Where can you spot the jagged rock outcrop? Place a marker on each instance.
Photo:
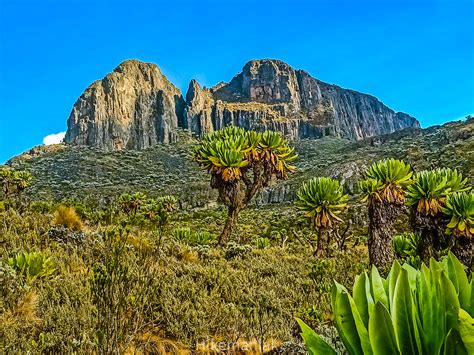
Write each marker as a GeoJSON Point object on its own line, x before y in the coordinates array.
{"type": "Point", "coordinates": [133, 107]}
{"type": "Point", "coordinates": [269, 94]}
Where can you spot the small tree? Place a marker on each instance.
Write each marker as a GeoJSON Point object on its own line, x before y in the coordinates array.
{"type": "Point", "coordinates": [323, 200]}
{"type": "Point", "coordinates": [242, 163]}
{"type": "Point", "coordinates": [157, 212]}
{"type": "Point", "coordinates": [427, 196]}
{"type": "Point", "coordinates": [14, 181]}
{"type": "Point", "coordinates": [21, 179]}
{"type": "Point", "coordinates": [6, 179]}
{"type": "Point", "coordinates": [384, 190]}
{"type": "Point", "coordinates": [130, 204]}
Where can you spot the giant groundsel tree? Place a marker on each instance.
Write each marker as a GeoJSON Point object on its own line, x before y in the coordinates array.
{"type": "Point", "coordinates": [384, 188]}
{"type": "Point", "coordinates": [14, 181]}
{"type": "Point", "coordinates": [242, 163]}
{"type": "Point", "coordinates": [322, 199]}
{"type": "Point", "coordinates": [427, 196]}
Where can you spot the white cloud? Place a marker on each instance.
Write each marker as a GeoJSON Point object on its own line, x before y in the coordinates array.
{"type": "Point", "coordinates": [54, 138]}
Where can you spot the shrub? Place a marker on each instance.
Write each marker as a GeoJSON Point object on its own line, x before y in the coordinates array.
{"type": "Point", "coordinates": [410, 312]}
{"type": "Point", "coordinates": [13, 181]}
{"type": "Point", "coordinates": [62, 234]}
{"type": "Point", "coordinates": [11, 286]}
{"type": "Point", "coordinates": [234, 250]}
{"type": "Point", "coordinates": [120, 293]}
{"type": "Point", "coordinates": [263, 243]}
{"type": "Point", "coordinates": [67, 217]}
{"type": "Point", "coordinates": [202, 237]}
{"type": "Point", "coordinates": [33, 265]}
{"type": "Point", "coordinates": [43, 207]}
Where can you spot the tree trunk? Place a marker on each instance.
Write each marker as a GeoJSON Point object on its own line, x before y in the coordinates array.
{"type": "Point", "coordinates": [381, 221]}
{"type": "Point", "coordinates": [463, 249]}
{"type": "Point", "coordinates": [431, 232]}
{"type": "Point", "coordinates": [229, 226]}
{"type": "Point", "coordinates": [323, 243]}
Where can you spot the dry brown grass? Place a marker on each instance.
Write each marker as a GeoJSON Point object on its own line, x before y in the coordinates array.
{"type": "Point", "coordinates": [153, 342]}
{"type": "Point", "coordinates": [67, 217]}
{"type": "Point", "coordinates": [25, 311]}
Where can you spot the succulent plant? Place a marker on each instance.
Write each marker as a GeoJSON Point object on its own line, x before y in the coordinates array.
{"type": "Point", "coordinates": [383, 187]}
{"type": "Point", "coordinates": [427, 311]}
{"type": "Point", "coordinates": [33, 265]}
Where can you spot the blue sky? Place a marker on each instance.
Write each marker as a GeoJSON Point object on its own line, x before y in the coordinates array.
{"type": "Point", "coordinates": [415, 56]}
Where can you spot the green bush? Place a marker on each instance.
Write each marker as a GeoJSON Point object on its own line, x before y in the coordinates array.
{"type": "Point", "coordinates": [193, 238]}
{"type": "Point", "coordinates": [181, 234]}
{"type": "Point", "coordinates": [427, 311]}
{"type": "Point", "coordinates": [44, 207]}
{"type": "Point", "coordinates": [263, 243]}
{"type": "Point", "coordinates": [406, 248]}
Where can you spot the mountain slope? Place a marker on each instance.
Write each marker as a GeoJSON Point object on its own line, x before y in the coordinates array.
{"type": "Point", "coordinates": [91, 174]}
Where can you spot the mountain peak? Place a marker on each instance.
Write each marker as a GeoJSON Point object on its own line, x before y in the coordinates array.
{"type": "Point", "coordinates": [135, 64]}
{"type": "Point", "coordinates": [121, 111]}
{"type": "Point", "coordinates": [136, 106]}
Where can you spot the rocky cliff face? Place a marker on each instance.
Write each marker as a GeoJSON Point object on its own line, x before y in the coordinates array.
{"type": "Point", "coordinates": [136, 106]}
{"type": "Point", "coordinates": [133, 107]}
{"type": "Point", "coordinates": [269, 94]}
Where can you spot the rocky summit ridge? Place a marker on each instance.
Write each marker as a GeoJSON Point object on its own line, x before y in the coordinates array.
{"type": "Point", "coordinates": [136, 106]}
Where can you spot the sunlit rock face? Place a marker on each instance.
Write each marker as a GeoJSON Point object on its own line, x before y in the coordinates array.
{"type": "Point", "coordinates": [136, 106]}
{"type": "Point", "coordinates": [269, 94]}
{"type": "Point", "coordinates": [133, 107]}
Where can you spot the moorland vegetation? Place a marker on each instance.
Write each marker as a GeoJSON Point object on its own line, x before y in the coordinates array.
{"type": "Point", "coordinates": [141, 274]}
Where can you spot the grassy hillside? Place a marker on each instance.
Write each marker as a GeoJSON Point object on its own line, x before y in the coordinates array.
{"type": "Point", "coordinates": [69, 172]}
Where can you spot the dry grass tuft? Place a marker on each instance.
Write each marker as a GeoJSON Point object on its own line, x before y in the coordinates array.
{"type": "Point", "coordinates": [153, 342]}
{"type": "Point", "coordinates": [140, 243]}
{"type": "Point", "coordinates": [67, 217]}
{"type": "Point", "coordinates": [25, 311]}
{"type": "Point", "coordinates": [188, 255]}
